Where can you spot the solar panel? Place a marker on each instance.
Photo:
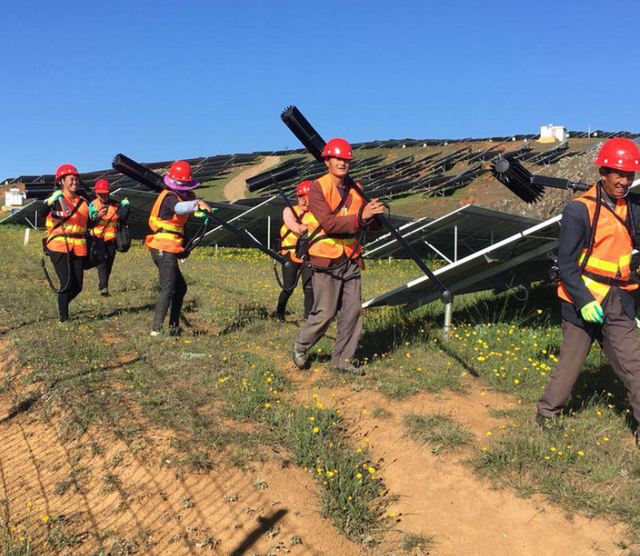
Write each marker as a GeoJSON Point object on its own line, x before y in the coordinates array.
{"type": "Point", "coordinates": [520, 259]}
{"type": "Point", "coordinates": [454, 235]}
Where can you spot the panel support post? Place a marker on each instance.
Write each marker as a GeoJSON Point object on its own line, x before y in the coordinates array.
{"type": "Point", "coordinates": [269, 232]}
{"type": "Point", "coordinates": [448, 311]}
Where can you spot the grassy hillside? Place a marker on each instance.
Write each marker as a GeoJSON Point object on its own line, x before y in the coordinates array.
{"type": "Point", "coordinates": [226, 391]}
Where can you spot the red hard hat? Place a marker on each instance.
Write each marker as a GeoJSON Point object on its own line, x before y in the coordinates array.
{"type": "Point", "coordinates": [620, 154]}
{"type": "Point", "coordinates": [65, 170]}
{"type": "Point", "coordinates": [303, 188]}
{"type": "Point", "coordinates": [180, 171]}
{"type": "Point", "coordinates": [339, 148]}
{"type": "Point", "coordinates": [102, 186]}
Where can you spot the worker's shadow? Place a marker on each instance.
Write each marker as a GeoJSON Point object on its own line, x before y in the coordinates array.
{"type": "Point", "coordinates": [599, 383]}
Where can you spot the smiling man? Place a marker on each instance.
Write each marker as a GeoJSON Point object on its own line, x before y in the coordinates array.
{"type": "Point", "coordinates": [336, 213]}
{"type": "Point", "coordinates": [597, 236]}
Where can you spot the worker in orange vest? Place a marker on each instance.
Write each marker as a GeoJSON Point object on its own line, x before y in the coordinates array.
{"type": "Point", "coordinates": [168, 217]}
{"type": "Point", "coordinates": [293, 226]}
{"type": "Point", "coordinates": [597, 237]}
{"type": "Point", "coordinates": [336, 213]}
{"type": "Point", "coordinates": [106, 213]}
{"type": "Point", "coordinates": [67, 217]}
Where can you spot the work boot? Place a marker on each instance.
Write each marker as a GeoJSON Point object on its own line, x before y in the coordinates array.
{"type": "Point", "coordinates": [104, 293]}
{"type": "Point", "coordinates": [299, 358]}
{"type": "Point", "coordinates": [350, 369]}
{"type": "Point", "coordinates": [155, 333]}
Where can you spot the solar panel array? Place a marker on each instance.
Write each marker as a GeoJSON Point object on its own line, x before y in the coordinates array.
{"type": "Point", "coordinates": [204, 169]}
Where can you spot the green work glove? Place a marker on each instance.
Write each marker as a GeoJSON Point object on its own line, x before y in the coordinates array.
{"type": "Point", "coordinates": [93, 213]}
{"type": "Point", "coordinates": [592, 312]}
{"type": "Point", "coordinates": [54, 197]}
{"type": "Point", "coordinates": [125, 202]}
{"type": "Point", "coordinates": [199, 214]}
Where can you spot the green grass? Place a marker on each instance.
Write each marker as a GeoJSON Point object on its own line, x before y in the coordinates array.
{"type": "Point", "coordinates": [416, 544]}
{"type": "Point", "coordinates": [223, 386]}
{"type": "Point", "coordinates": [441, 431]}
{"type": "Point", "coordinates": [586, 463]}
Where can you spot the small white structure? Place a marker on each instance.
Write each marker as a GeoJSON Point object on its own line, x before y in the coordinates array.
{"type": "Point", "coordinates": [552, 133]}
{"type": "Point", "coordinates": [14, 198]}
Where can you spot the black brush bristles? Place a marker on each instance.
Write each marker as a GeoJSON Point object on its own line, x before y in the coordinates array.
{"type": "Point", "coordinates": [517, 179]}
{"type": "Point", "coordinates": [137, 172]}
{"type": "Point", "coordinates": [304, 131]}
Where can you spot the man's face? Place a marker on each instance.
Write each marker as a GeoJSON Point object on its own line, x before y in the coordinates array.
{"type": "Point", "coordinates": [616, 182]}
{"type": "Point", "coordinates": [338, 167]}
{"type": "Point", "coordinates": [303, 203]}
{"type": "Point", "coordinates": [104, 197]}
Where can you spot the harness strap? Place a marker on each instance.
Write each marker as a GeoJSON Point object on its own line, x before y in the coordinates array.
{"type": "Point", "coordinates": [605, 279]}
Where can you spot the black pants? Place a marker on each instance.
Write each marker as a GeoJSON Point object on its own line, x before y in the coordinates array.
{"type": "Point", "coordinates": [172, 288]}
{"type": "Point", "coordinates": [104, 269]}
{"type": "Point", "coordinates": [63, 262]}
{"type": "Point", "coordinates": [289, 279]}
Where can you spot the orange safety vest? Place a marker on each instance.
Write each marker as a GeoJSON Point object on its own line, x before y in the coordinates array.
{"type": "Point", "coordinates": [331, 246]}
{"type": "Point", "coordinates": [289, 239]}
{"type": "Point", "coordinates": [611, 254]}
{"type": "Point", "coordinates": [107, 227]}
{"type": "Point", "coordinates": [71, 234]}
{"type": "Point", "coordinates": [166, 235]}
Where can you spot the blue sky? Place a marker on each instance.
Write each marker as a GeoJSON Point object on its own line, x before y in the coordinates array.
{"type": "Point", "coordinates": [82, 81]}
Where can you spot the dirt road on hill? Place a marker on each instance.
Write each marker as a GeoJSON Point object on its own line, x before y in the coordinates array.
{"type": "Point", "coordinates": [235, 188]}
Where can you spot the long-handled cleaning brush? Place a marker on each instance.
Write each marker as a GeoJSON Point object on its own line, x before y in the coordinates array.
{"type": "Point", "coordinates": [272, 178]}
{"type": "Point", "coordinates": [529, 187]}
{"type": "Point", "coordinates": [314, 143]}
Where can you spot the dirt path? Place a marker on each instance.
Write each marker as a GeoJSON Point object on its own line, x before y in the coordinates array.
{"type": "Point", "coordinates": [235, 188]}
{"type": "Point", "coordinates": [438, 495]}
{"type": "Point", "coordinates": [110, 495]}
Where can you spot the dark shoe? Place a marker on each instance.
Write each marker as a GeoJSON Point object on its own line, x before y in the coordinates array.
{"type": "Point", "coordinates": [279, 316]}
{"type": "Point", "coordinates": [546, 423]}
{"type": "Point", "coordinates": [638, 438]}
{"type": "Point", "coordinates": [351, 370]}
{"type": "Point", "coordinates": [104, 293]}
{"type": "Point", "coordinates": [299, 358]}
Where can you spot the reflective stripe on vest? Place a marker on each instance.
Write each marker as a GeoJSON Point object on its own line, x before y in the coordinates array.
{"type": "Point", "coordinates": [289, 239]}
{"type": "Point", "coordinates": [334, 246]}
{"type": "Point", "coordinates": [71, 234]}
{"type": "Point", "coordinates": [107, 227]}
{"type": "Point", "coordinates": [612, 247]}
{"type": "Point", "coordinates": [167, 235]}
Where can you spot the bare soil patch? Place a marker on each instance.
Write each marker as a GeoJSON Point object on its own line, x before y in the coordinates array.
{"type": "Point", "coordinates": [235, 188]}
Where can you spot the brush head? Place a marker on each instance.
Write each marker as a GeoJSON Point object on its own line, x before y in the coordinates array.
{"type": "Point", "coordinates": [137, 172]}
{"type": "Point", "coordinates": [304, 131]}
{"type": "Point", "coordinates": [271, 178]}
{"type": "Point", "coordinates": [517, 179]}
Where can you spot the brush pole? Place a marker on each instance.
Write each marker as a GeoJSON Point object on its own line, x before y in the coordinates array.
{"type": "Point", "coordinates": [558, 183]}
{"type": "Point", "coordinates": [244, 235]}
{"type": "Point", "coordinates": [446, 294]}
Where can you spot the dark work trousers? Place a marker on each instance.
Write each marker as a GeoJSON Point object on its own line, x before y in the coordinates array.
{"type": "Point", "coordinates": [289, 275]}
{"type": "Point", "coordinates": [172, 288]}
{"type": "Point", "coordinates": [104, 269]}
{"type": "Point", "coordinates": [620, 344]}
{"type": "Point", "coordinates": [61, 264]}
{"type": "Point", "coordinates": [335, 291]}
